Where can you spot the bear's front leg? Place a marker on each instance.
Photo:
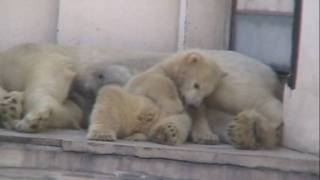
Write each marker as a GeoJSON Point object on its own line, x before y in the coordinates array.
{"type": "Point", "coordinates": [200, 131]}
{"type": "Point", "coordinates": [46, 93]}
{"type": "Point", "coordinates": [172, 130]}
{"type": "Point", "coordinates": [35, 121]}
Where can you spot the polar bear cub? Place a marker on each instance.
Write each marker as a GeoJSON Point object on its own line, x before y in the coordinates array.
{"type": "Point", "coordinates": [118, 114]}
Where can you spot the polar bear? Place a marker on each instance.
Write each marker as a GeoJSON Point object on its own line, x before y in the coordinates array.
{"type": "Point", "coordinates": [45, 84]}
{"type": "Point", "coordinates": [245, 109]}
{"type": "Point", "coordinates": [119, 114]}
{"type": "Point", "coordinates": [45, 74]}
{"type": "Point", "coordinates": [186, 77]}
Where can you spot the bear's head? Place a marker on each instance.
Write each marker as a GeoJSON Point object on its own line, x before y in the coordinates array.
{"type": "Point", "coordinates": [195, 74]}
{"type": "Point", "coordinates": [95, 76]}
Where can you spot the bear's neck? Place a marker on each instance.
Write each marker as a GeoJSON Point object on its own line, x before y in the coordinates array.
{"type": "Point", "coordinates": [171, 71]}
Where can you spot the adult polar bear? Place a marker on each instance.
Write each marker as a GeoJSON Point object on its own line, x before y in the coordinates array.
{"type": "Point", "coordinates": [45, 84]}
{"type": "Point", "coordinates": [45, 74]}
{"type": "Point", "coordinates": [245, 109]}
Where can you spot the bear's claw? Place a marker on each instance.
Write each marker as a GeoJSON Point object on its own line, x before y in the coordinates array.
{"type": "Point", "coordinates": [166, 134]}
{"type": "Point", "coordinates": [102, 136]}
{"type": "Point", "coordinates": [11, 109]}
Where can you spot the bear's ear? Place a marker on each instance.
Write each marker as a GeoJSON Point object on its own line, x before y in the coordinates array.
{"type": "Point", "coordinates": [193, 57]}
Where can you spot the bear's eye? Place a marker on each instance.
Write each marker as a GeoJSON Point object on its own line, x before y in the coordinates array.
{"type": "Point", "coordinates": [196, 86]}
{"type": "Point", "coordinates": [100, 76]}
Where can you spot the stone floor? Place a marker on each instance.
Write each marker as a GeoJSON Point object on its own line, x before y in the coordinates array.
{"type": "Point", "coordinates": [68, 155]}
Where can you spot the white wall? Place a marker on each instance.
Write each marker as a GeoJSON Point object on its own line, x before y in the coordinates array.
{"type": "Point", "coordinates": [301, 106]}
{"type": "Point", "coordinates": [207, 24]}
{"type": "Point", "coordinates": [144, 24]}
{"type": "Point", "coordinates": [140, 24]}
{"type": "Point", "coordinates": [27, 21]}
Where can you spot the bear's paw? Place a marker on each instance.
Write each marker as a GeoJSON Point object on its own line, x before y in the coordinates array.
{"type": "Point", "coordinates": [34, 121]}
{"type": "Point", "coordinates": [241, 131]}
{"type": "Point", "coordinates": [11, 109]}
{"type": "Point", "coordinates": [167, 133]}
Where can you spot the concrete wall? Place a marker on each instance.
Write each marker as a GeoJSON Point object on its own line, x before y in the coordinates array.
{"type": "Point", "coordinates": [145, 25]}
{"type": "Point", "coordinates": [301, 106]}
{"type": "Point", "coordinates": [141, 24]}
{"type": "Point", "coordinates": [207, 24]}
{"type": "Point", "coordinates": [27, 21]}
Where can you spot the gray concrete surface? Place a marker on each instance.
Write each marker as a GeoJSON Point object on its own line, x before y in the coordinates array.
{"type": "Point", "coordinates": [69, 151]}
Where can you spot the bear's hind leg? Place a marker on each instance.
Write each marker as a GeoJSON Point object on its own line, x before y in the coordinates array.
{"type": "Point", "coordinates": [258, 128]}
{"type": "Point", "coordinates": [241, 131]}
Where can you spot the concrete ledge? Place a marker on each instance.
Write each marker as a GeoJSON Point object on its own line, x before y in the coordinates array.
{"type": "Point", "coordinates": [26, 173]}
{"type": "Point", "coordinates": [69, 150]}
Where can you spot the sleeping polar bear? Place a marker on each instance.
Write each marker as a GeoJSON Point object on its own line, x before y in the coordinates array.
{"type": "Point", "coordinates": [46, 85]}
{"type": "Point", "coordinates": [150, 107]}
{"type": "Point", "coordinates": [244, 107]}
{"type": "Point", "coordinates": [35, 82]}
